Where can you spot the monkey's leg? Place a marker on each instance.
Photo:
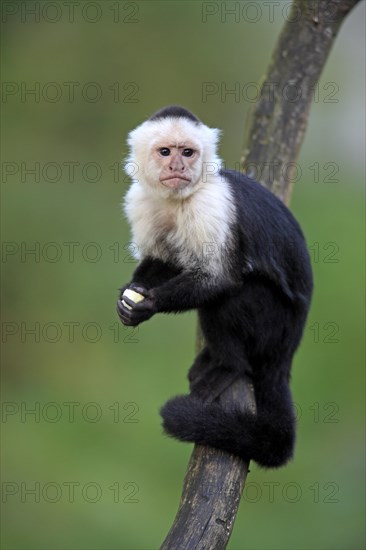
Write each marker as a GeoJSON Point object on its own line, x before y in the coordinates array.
{"type": "Point", "coordinates": [254, 322]}
{"type": "Point", "coordinates": [275, 429]}
{"type": "Point", "coordinates": [202, 364]}
{"type": "Point", "coordinates": [208, 377]}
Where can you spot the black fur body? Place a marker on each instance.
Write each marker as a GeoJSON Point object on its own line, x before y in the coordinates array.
{"type": "Point", "coordinates": [252, 321]}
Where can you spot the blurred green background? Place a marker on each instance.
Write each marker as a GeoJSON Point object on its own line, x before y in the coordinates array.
{"type": "Point", "coordinates": [90, 468]}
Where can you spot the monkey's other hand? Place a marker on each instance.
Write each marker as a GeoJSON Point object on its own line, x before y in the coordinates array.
{"type": "Point", "coordinates": [136, 312]}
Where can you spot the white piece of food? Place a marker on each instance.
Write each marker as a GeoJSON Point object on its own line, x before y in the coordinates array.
{"type": "Point", "coordinates": [132, 295]}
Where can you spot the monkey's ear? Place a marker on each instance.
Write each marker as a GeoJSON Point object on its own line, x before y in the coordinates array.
{"type": "Point", "coordinates": [215, 135]}
{"type": "Point", "coordinates": [210, 138]}
{"type": "Point", "coordinates": [138, 141]}
{"type": "Point", "coordinates": [140, 135]}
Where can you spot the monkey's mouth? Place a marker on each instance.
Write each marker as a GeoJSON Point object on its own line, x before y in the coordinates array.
{"type": "Point", "coordinates": [176, 181]}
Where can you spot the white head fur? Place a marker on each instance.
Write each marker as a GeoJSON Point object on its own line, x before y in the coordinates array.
{"type": "Point", "coordinates": [182, 216]}
{"type": "Point", "coordinates": [160, 132]}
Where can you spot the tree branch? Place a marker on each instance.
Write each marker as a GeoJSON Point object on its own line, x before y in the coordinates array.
{"type": "Point", "coordinates": [214, 480]}
{"type": "Point", "coordinates": [276, 126]}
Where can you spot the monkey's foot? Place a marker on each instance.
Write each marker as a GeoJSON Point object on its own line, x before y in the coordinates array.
{"type": "Point", "coordinates": [210, 381]}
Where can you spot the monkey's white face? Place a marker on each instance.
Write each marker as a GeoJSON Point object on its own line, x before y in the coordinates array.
{"type": "Point", "coordinates": [170, 155]}
{"type": "Point", "coordinates": [178, 164]}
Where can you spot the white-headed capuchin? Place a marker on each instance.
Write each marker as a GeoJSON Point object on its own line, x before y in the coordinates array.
{"type": "Point", "coordinates": [217, 241]}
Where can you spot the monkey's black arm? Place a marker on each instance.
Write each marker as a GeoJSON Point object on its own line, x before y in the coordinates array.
{"type": "Point", "coordinates": [190, 290]}
{"type": "Point", "coordinates": [150, 273]}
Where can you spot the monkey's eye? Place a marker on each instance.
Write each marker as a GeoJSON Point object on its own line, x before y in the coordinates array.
{"type": "Point", "coordinates": [187, 152]}
{"type": "Point", "coordinates": [164, 151]}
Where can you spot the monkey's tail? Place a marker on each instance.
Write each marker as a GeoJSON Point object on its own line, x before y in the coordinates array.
{"type": "Point", "coordinates": [264, 438]}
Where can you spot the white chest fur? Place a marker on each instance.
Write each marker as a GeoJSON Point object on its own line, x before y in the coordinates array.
{"type": "Point", "coordinates": [193, 232]}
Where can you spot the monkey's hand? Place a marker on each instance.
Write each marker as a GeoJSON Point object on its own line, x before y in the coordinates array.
{"type": "Point", "coordinates": [137, 312]}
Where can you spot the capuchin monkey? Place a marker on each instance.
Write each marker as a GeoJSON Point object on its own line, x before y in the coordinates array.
{"type": "Point", "coordinates": [217, 241]}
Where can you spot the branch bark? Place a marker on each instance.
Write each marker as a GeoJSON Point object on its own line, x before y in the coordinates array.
{"type": "Point", "coordinates": [274, 133]}
{"type": "Point", "coordinates": [277, 124]}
